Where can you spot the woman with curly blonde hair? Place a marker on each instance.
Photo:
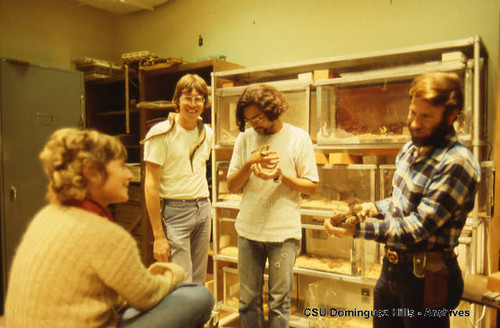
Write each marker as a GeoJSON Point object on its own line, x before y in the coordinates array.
{"type": "Point", "coordinates": [75, 267]}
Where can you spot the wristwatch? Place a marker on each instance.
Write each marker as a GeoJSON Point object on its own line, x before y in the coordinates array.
{"type": "Point", "coordinates": [279, 178]}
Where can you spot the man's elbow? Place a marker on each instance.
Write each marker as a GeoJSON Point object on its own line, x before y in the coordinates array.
{"type": "Point", "coordinates": [314, 189]}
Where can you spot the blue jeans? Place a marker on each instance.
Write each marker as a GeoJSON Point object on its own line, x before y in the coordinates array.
{"type": "Point", "coordinates": [252, 257]}
{"type": "Point", "coordinates": [187, 306]}
{"type": "Point", "coordinates": [398, 288]}
{"type": "Point", "coordinates": [187, 228]}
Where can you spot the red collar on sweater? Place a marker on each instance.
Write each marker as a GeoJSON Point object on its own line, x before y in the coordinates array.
{"type": "Point", "coordinates": [89, 204]}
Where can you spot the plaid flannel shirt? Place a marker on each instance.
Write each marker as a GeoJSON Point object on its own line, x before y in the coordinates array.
{"type": "Point", "coordinates": [431, 197]}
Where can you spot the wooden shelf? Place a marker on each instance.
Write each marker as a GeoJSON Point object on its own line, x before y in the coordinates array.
{"type": "Point", "coordinates": [116, 113]}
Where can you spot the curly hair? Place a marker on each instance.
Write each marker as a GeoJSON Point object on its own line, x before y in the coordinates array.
{"type": "Point", "coordinates": [267, 98]}
{"type": "Point", "coordinates": [65, 154]}
{"type": "Point", "coordinates": [439, 89]}
{"type": "Point", "coordinates": [188, 83]}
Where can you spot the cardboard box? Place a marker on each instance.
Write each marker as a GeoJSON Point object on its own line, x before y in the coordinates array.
{"type": "Point", "coordinates": [321, 158]}
{"type": "Point", "coordinates": [454, 56]}
{"type": "Point", "coordinates": [305, 77]}
{"type": "Point", "coordinates": [379, 159]}
{"type": "Point", "coordinates": [231, 84]}
{"type": "Point", "coordinates": [343, 158]}
{"type": "Point", "coordinates": [324, 74]}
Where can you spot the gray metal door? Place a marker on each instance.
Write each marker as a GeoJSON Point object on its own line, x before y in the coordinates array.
{"type": "Point", "coordinates": [34, 102]}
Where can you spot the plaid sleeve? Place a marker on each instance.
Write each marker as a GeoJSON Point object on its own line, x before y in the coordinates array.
{"type": "Point", "coordinates": [417, 214]}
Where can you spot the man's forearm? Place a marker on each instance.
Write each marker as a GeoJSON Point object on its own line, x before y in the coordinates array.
{"type": "Point", "coordinates": [154, 213]}
{"type": "Point", "coordinates": [304, 186]}
{"type": "Point", "coordinates": [236, 181]}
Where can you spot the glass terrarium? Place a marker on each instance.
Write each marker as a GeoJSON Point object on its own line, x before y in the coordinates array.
{"type": "Point", "coordinates": [386, 175]}
{"type": "Point", "coordinates": [323, 252]}
{"type": "Point", "coordinates": [222, 192]}
{"type": "Point", "coordinates": [485, 190]}
{"type": "Point", "coordinates": [373, 253]}
{"type": "Point", "coordinates": [464, 249]}
{"type": "Point", "coordinates": [371, 111]}
{"type": "Point", "coordinates": [338, 303]}
{"type": "Point", "coordinates": [341, 185]}
{"type": "Point", "coordinates": [227, 237]}
{"type": "Point", "coordinates": [351, 114]}
{"type": "Point", "coordinates": [296, 93]}
{"type": "Point", "coordinates": [231, 285]}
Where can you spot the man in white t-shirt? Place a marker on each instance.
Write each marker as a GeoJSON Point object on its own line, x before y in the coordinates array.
{"type": "Point", "coordinates": [176, 188]}
{"type": "Point", "coordinates": [273, 163]}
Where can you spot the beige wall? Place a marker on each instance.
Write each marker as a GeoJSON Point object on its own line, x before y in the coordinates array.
{"type": "Point", "coordinates": [248, 32]}
{"type": "Point", "coordinates": [53, 32]}
{"type": "Point", "coordinates": [260, 32]}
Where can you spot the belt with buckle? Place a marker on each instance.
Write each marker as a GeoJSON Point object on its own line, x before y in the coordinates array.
{"type": "Point", "coordinates": [397, 256]}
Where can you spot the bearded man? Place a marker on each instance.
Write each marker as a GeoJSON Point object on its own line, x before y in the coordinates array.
{"type": "Point", "coordinates": [433, 190]}
{"type": "Point", "coordinates": [273, 164]}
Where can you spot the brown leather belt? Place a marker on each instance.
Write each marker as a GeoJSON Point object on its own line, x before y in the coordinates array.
{"type": "Point", "coordinates": [397, 256]}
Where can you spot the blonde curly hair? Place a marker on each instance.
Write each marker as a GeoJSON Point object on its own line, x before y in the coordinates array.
{"type": "Point", "coordinates": [65, 154]}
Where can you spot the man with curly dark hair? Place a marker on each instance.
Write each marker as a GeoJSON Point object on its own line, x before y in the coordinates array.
{"type": "Point", "coordinates": [273, 163]}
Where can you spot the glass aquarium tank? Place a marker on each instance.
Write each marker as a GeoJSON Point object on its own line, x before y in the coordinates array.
{"type": "Point", "coordinates": [341, 185]}
{"type": "Point", "coordinates": [370, 111]}
{"type": "Point", "coordinates": [296, 93]}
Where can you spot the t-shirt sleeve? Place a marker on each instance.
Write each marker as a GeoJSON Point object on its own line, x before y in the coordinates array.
{"type": "Point", "coordinates": [209, 137]}
{"type": "Point", "coordinates": [155, 149]}
{"type": "Point", "coordinates": [237, 159]}
{"type": "Point", "coordinates": [306, 161]}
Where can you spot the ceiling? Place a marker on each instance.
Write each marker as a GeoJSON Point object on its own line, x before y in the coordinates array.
{"type": "Point", "coordinates": [122, 7]}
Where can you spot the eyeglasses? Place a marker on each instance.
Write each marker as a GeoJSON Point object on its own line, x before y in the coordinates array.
{"type": "Point", "coordinates": [198, 100]}
{"type": "Point", "coordinates": [256, 120]}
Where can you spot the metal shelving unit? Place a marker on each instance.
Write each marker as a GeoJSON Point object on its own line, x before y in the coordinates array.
{"type": "Point", "coordinates": [326, 108]}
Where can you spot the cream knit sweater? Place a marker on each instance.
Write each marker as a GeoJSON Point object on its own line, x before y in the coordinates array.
{"type": "Point", "coordinates": [74, 267]}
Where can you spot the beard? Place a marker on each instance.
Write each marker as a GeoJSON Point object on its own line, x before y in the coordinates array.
{"type": "Point", "coordinates": [436, 136]}
{"type": "Point", "coordinates": [260, 130]}
{"type": "Point", "coordinates": [264, 131]}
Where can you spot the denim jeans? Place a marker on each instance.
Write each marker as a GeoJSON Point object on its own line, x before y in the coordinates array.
{"type": "Point", "coordinates": [252, 257]}
{"type": "Point", "coordinates": [187, 306]}
{"type": "Point", "coordinates": [398, 289]}
{"type": "Point", "coordinates": [187, 227]}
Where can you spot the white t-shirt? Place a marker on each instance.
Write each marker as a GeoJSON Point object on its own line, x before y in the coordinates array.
{"type": "Point", "coordinates": [171, 151]}
{"type": "Point", "coordinates": [270, 212]}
